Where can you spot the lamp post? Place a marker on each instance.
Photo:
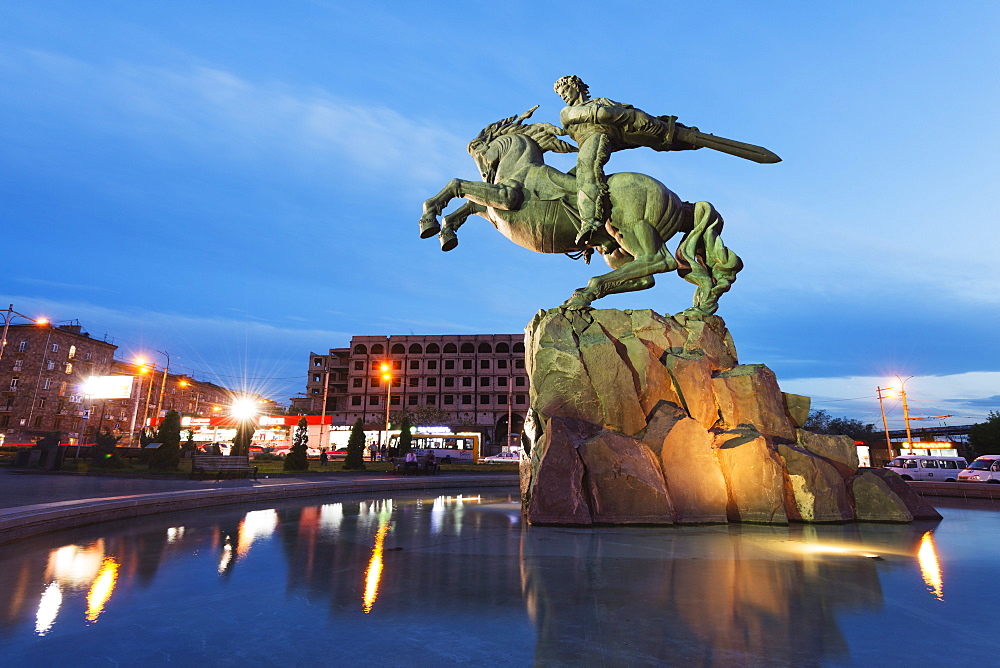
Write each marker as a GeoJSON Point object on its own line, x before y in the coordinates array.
{"type": "Point", "coordinates": [388, 399]}
{"type": "Point", "coordinates": [906, 409]}
{"type": "Point", "coordinates": [163, 383]}
{"type": "Point", "coordinates": [9, 313]}
{"type": "Point", "coordinates": [885, 423]}
{"type": "Point", "coordinates": [135, 408]}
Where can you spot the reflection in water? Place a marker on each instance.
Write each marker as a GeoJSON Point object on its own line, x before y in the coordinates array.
{"type": "Point", "coordinates": [930, 568]}
{"type": "Point", "coordinates": [256, 524]}
{"type": "Point", "coordinates": [48, 609]}
{"type": "Point", "coordinates": [100, 591]}
{"type": "Point", "coordinates": [373, 575]}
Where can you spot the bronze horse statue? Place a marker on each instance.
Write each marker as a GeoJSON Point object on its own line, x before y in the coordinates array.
{"type": "Point", "coordinates": [534, 205]}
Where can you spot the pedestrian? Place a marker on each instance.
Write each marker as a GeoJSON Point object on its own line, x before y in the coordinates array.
{"type": "Point", "coordinates": [322, 457]}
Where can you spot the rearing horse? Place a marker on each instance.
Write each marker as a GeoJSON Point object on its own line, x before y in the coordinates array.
{"type": "Point", "coordinates": [534, 206]}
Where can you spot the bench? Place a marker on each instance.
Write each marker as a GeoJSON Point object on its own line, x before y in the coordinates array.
{"type": "Point", "coordinates": [222, 465]}
{"type": "Point", "coordinates": [399, 466]}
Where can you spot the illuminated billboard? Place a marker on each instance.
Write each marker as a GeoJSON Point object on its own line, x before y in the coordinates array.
{"type": "Point", "coordinates": [108, 387]}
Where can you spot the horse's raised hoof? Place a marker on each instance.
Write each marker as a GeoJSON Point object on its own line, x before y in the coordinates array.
{"type": "Point", "coordinates": [578, 301]}
{"type": "Point", "coordinates": [429, 227]}
{"type": "Point", "coordinates": [449, 240]}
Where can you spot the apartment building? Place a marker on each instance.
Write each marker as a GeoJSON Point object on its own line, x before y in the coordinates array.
{"type": "Point", "coordinates": [468, 382]}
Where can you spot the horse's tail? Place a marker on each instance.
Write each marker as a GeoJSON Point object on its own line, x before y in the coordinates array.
{"type": "Point", "coordinates": [704, 260]}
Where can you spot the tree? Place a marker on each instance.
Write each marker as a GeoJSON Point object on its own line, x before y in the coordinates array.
{"type": "Point", "coordinates": [822, 422]}
{"type": "Point", "coordinates": [168, 455]}
{"type": "Point", "coordinates": [405, 438]}
{"type": "Point", "coordinates": [984, 437]}
{"type": "Point", "coordinates": [355, 459]}
{"type": "Point", "coordinates": [105, 451]}
{"type": "Point", "coordinates": [244, 434]}
{"type": "Point", "coordinates": [189, 445]}
{"type": "Point", "coordinates": [297, 458]}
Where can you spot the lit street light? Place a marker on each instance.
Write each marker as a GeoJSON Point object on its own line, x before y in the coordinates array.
{"type": "Point", "coordinates": [8, 315]}
{"type": "Point", "coordinates": [388, 396]}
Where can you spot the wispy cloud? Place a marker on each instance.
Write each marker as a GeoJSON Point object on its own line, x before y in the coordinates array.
{"type": "Point", "coordinates": [41, 282]}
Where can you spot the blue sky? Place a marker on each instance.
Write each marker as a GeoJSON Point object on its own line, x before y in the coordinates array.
{"type": "Point", "coordinates": [239, 183]}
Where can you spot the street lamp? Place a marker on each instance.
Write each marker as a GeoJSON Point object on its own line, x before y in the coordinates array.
{"type": "Point", "coordinates": [388, 397]}
{"type": "Point", "coordinates": [138, 393]}
{"type": "Point", "coordinates": [8, 314]}
{"type": "Point", "coordinates": [163, 383]}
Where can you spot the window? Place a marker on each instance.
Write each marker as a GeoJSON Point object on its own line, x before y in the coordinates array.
{"type": "Point", "coordinates": [72, 352]}
{"type": "Point", "coordinates": [449, 364]}
{"type": "Point", "coordinates": [375, 381]}
{"type": "Point", "coordinates": [355, 401]}
{"type": "Point", "coordinates": [394, 401]}
{"type": "Point", "coordinates": [432, 382]}
{"type": "Point", "coordinates": [38, 422]}
{"type": "Point", "coordinates": [378, 349]}
{"type": "Point", "coordinates": [41, 402]}
{"type": "Point", "coordinates": [414, 364]}
{"type": "Point", "coordinates": [450, 348]}
{"type": "Point", "coordinates": [433, 348]}
{"type": "Point", "coordinates": [484, 381]}
{"type": "Point", "coordinates": [62, 389]}
{"type": "Point", "coordinates": [431, 399]}
{"type": "Point", "coordinates": [519, 381]}
{"type": "Point", "coordinates": [485, 347]}
{"type": "Point", "coordinates": [432, 364]}
{"type": "Point", "coordinates": [467, 382]}
{"type": "Point", "coordinates": [14, 383]}
{"type": "Point", "coordinates": [54, 347]}
{"type": "Point", "coordinates": [398, 349]}
{"type": "Point", "coordinates": [416, 349]}
{"type": "Point", "coordinates": [449, 398]}
{"type": "Point", "coordinates": [518, 364]}
{"type": "Point", "coordinates": [501, 364]}
{"type": "Point", "coordinates": [484, 364]}
{"type": "Point", "coordinates": [359, 366]}
{"type": "Point", "coordinates": [397, 365]}
{"type": "Point", "coordinates": [414, 382]}
{"type": "Point", "coordinates": [315, 391]}
{"type": "Point", "coordinates": [466, 364]}
{"type": "Point", "coordinates": [69, 368]}
{"type": "Point", "coordinates": [397, 382]}
{"type": "Point", "coordinates": [356, 382]}
{"type": "Point", "coordinates": [519, 399]}
{"type": "Point", "coordinates": [412, 399]}
{"type": "Point", "coordinates": [22, 346]}
{"type": "Point", "coordinates": [373, 400]}
{"type": "Point", "coordinates": [74, 398]}
{"type": "Point", "coordinates": [928, 464]}
{"type": "Point", "coordinates": [46, 384]}
{"type": "Point", "coordinates": [361, 349]}
{"type": "Point", "coordinates": [468, 348]}
{"type": "Point", "coordinates": [466, 398]}
{"type": "Point", "coordinates": [502, 348]}
{"type": "Point", "coordinates": [502, 381]}
{"type": "Point", "coordinates": [449, 382]}
{"type": "Point", "coordinates": [86, 356]}
{"type": "Point", "coordinates": [50, 365]}
{"type": "Point", "coordinates": [518, 347]}
{"type": "Point", "coordinates": [501, 398]}
{"type": "Point", "coordinates": [18, 364]}
{"type": "Point", "coordinates": [316, 378]}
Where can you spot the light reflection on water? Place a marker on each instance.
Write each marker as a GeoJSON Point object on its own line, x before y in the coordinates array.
{"type": "Point", "coordinates": [457, 579]}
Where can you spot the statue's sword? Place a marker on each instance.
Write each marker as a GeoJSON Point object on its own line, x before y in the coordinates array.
{"type": "Point", "coordinates": [730, 146]}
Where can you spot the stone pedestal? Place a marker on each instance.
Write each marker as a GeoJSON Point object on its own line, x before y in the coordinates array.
{"type": "Point", "coordinates": [637, 418]}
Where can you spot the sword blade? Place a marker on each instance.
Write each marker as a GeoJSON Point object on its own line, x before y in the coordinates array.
{"type": "Point", "coordinates": [730, 146]}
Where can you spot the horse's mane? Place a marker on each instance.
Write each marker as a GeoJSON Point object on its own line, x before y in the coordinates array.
{"type": "Point", "coordinates": [541, 133]}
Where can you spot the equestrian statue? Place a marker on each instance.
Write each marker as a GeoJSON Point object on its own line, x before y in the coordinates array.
{"type": "Point", "coordinates": [626, 217]}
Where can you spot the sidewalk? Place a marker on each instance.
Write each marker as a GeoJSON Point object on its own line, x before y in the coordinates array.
{"type": "Point", "coordinates": [36, 503]}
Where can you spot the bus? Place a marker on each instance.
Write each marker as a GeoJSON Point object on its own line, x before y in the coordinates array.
{"type": "Point", "coordinates": [456, 448]}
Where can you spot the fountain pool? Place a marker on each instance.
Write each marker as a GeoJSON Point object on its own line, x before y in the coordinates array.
{"type": "Point", "coordinates": [455, 578]}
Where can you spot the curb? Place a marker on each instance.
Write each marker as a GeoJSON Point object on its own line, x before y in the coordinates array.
{"type": "Point", "coordinates": [28, 521]}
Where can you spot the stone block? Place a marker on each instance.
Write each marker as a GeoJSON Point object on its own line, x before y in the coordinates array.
{"type": "Point", "coordinates": [749, 394]}
{"type": "Point", "coordinates": [614, 381]}
{"type": "Point", "coordinates": [797, 407]}
{"type": "Point", "coordinates": [916, 504]}
{"type": "Point", "coordinates": [817, 487]}
{"type": "Point", "coordinates": [754, 477]}
{"type": "Point", "coordinates": [624, 482]}
{"type": "Point", "coordinates": [874, 501]}
{"type": "Point", "coordinates": [691, 469]}
{"type": "Point", "coordinates": [556, 493]}
{"type": "Point", "coordinates": [841, 451]}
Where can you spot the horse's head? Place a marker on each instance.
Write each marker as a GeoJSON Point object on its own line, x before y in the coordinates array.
{"type": "Point", "coordinates": [487, 150]}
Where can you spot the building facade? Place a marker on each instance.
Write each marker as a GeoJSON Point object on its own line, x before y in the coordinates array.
{"type": "Point", "coordinates": [42, 372]}
{"type": "Point", "coordinates": [474, 382]}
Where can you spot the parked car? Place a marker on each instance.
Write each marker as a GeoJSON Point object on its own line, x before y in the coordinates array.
{"type": "Point", "coordinates": [982, 469]}
{"type": "Point", "coordinates": [927, 467]}
{"type": "Point", "coordinates": [501, 458]}
{"type": "Point", "coordinates": [338, 454]}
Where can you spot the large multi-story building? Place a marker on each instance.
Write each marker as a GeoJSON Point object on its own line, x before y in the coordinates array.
{"type": "Point", "coordinates": [42, 371]}
{"type": "Point", "coordinates": [474, 382]}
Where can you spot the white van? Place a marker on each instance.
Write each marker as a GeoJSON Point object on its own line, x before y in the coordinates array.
{"type": "Point", "coordinates": [982, 469]}
{"type": "Point", "coordinates": [927, 467]}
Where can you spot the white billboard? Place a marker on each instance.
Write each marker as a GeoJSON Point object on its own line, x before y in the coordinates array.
{"type": "Point", "coordinates": [108, 387]}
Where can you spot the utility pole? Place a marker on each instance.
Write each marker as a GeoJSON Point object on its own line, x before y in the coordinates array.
{"type": "Point", "coordinates": [885, 424]}
{"type": "Point", "coordinates": [163, 383]}
{"type": "Point", "coordinates": [906, 410]}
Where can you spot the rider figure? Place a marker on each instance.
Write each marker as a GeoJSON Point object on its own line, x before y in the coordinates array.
{"type": "Point", "coordinates": [600, 127]}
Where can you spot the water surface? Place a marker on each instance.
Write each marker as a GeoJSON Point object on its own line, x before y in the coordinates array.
{"type": "Point", "coordinates": [456, 579]}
